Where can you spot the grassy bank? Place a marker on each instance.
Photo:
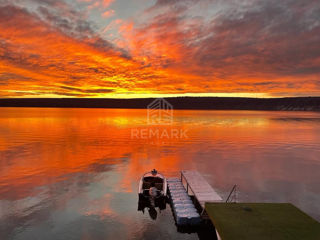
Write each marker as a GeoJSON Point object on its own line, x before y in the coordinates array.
{"type": "Point", "coordinates": [276, 221]}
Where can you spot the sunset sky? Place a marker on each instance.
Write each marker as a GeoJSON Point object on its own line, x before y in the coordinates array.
{"type": "Point", "coordinates": [139, 48]}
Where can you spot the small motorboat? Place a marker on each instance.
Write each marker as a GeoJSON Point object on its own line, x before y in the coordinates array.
{"type": "Point", "coordinates": [153, 190]}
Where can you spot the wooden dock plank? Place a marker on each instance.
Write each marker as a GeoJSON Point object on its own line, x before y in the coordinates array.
{"type": "Point", "coordinates": [200, 187]}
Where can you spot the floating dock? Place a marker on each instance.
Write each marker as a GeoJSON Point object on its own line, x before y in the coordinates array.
{"type": "Point", "coordinates": [263, 221]}
{"type": "Point", "coordinates": [184, 211]}
{"type": "Point", "coordinates": [183, 207]}
{"type": "Point", "coordinates": [201, 189]}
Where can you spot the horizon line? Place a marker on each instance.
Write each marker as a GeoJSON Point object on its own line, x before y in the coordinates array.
{"type": "Point", "coordinates": [148, 95]}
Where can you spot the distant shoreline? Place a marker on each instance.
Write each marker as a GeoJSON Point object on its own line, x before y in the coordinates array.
{"type": "Point", "coordinates": [191, 103]}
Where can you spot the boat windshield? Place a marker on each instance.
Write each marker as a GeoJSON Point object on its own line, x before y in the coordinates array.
{"type": "Point", "coordinates": [153, 179]}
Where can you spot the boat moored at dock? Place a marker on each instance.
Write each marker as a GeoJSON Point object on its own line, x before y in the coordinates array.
{"type": "Point", "coordinates": [153, 189]}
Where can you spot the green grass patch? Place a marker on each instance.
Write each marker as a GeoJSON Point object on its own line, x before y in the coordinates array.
{"type": "Point", "coordinates": [276, 221]}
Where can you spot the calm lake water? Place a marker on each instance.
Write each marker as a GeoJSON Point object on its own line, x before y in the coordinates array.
{"type": "Point", "coordinates": [73, 173]}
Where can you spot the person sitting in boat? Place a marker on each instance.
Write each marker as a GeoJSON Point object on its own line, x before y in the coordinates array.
{"type": "Point", "coordinates": [153, 191]}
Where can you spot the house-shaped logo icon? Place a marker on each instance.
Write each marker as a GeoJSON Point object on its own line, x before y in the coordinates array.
{"type": "Point", "coordinates": [160, 111]}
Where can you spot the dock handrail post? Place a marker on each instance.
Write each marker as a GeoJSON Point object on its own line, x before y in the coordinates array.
{"type": "Point", "coordinates": [232, 190]}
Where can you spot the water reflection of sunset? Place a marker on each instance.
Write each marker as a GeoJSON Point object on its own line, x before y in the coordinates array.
{"type": "Point", "coordinates": [86, 160]}
{"type": "Point", "coordinates": [95, 138]}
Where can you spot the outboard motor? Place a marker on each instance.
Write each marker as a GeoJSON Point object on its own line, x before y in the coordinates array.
{"type": "Point", "coordinates": [153, 213]}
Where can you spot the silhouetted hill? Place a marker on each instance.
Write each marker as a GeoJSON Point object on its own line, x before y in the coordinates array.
{"type": "Point", "coordinates": [214, 103]}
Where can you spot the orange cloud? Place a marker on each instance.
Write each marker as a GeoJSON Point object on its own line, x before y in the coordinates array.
{"type": "Point", "coordinates": [57, 51]}
{"type": "Point", "coordinates": [107, 3]}
{"type": "Point", "coordinates": [108, 13]}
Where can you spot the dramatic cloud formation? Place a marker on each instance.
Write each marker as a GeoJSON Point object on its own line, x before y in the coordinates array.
{"type": "Point", "coordinates": [105, 48]}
